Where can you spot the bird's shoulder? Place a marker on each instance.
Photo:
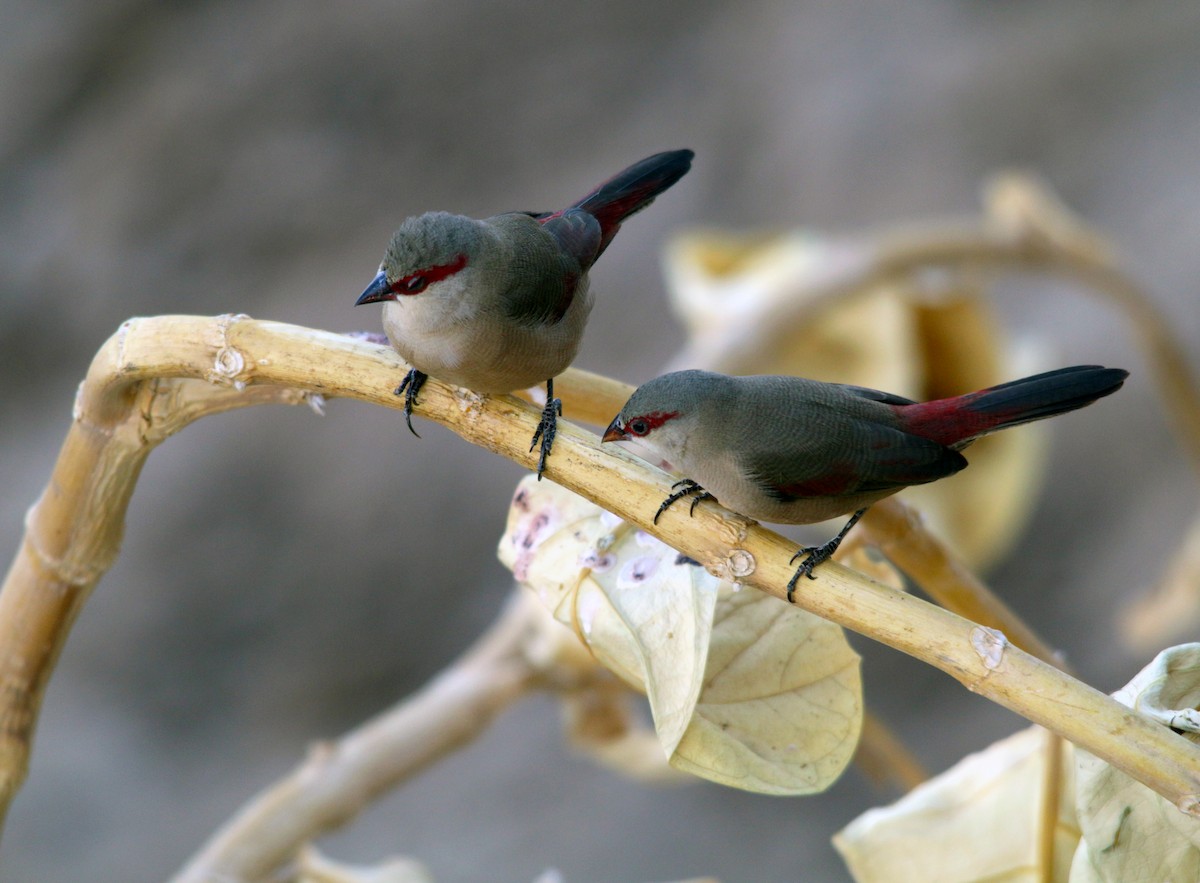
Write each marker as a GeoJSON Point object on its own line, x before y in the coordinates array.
{"type": "Point", "coordinates": [542, 277]}
{"type": "Point", "coordinates": [576, 234]}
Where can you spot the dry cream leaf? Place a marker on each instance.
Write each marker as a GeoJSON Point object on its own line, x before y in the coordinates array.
{"type": "Point", "coordinates": [798, 304]}
{"type": "Point", "coordinates": [781, 704]}
{"type": "Point", "coordinates": [644, 610]}
{"type": "Point", "coordinates": [316, 868]}
{"type": "Point", "coordinates": [1168, 689]}
{"type": "Point", "coordinates": [978, 821]}
{"type": "Point", "coordinates": [781, 708]}
{"type": "Point", "coordinates": [1130, 832]}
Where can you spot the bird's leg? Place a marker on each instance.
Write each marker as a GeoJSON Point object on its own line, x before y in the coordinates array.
{"type": "Point", "coordinates": [687, 487]}
{"type": "Point", "coordinates": [819, 554]}
{"type": "Point", "coordinates": [547, 427]}
{"type": "Point", "coordinates": [409, 386]}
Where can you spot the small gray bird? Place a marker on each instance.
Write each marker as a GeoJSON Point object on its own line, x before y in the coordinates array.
{"type": "Point", "coordinates": [500, 304]}
{"type": "Point", "coordinates": [794, 451]}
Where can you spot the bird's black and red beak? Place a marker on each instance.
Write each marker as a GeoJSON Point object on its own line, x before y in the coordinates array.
{"type": "Point", "coordinates": [379, 289]}
{"type": "Point", "coordinates": [616, 431]}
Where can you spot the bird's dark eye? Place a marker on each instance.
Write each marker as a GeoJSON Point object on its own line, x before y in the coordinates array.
{"type": "Point", "coordinates": [638, 426]}
{"type": "Point", "coordinates": [413, 284]}
{"type": "Point", "coordinates": [419, 280]}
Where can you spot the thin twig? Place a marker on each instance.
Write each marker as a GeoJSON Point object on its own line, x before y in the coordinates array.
{"type": "Point", "coordinates": [1048, 806]}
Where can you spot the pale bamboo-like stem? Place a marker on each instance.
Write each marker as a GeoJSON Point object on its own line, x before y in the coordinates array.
{"type": "Point", "coordinates": [339, 779]}
{"type": "Point", "coordinates": [241, 350]}
{"type": "Point", "coordinates": [1048, 806]}
{"type": "Point", "coordinates": [896, 529]}
{"type": "Point", "coordinates": [73, 532]}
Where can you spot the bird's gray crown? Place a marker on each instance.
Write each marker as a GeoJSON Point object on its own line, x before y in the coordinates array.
{"type": "Point", "coordinates": [429, 240]}
{"type": "Point", "coordinates": [682, 390]}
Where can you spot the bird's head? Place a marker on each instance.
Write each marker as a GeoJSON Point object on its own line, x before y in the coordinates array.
{"type": "Point", "coordinates": [427, 255]}
{"type": "Point", "coordinates": [661, 416]}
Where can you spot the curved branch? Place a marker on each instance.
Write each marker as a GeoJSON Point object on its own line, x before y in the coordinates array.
{"type": "Point", "coordinates": [896, 529]}
{"type": "Point", "coordinates": [74, 529]}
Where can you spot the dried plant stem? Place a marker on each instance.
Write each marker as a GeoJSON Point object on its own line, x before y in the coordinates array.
{"type": "Point", "coordinates": [339, 779]}
{"type": "Point", "coordinates": [74, 530]}
{"type": "Point", "coordinates": [1060, 242]}
{"type": "Point", "coordinates": [72, 535]}
{"type": "Point", "coordinates": [1048, 809]}
{"type": "Point", "coordinates": [895, 528]}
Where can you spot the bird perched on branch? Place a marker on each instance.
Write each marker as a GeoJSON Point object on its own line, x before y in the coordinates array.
{"type": "Point", "coordinates": [500, 304]}
{"type": "Point", "coordinates": [794, 451]}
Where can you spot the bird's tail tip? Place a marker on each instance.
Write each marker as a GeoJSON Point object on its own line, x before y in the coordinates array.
{"type": "Point", "coordinates": [960, 420]}
{"type": "Point", "coordinates": [634, 188]}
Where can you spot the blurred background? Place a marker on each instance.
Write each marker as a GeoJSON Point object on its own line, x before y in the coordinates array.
{"type": "Point", "coordinates": [284, 576]}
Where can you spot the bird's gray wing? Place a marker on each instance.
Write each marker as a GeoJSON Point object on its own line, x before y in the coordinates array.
{"type": "Point", "coordinates": [545, 268]}
{"type": "Point", "coordinates": [876, 395]}
{"type": "Point", "coordinates": [853, 458]}
{"type": "Point", "coordinates": [577, 233]}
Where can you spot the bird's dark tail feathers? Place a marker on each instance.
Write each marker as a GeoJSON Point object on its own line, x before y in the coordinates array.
{"type": "Point", "coordinates": [633, 189]}
{"type": "Point", "coordinates": [956, 422]}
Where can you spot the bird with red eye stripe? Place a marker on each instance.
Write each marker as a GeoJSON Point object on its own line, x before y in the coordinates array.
{"type": "Point", "coordinates": [793, 451]}
{"type": "Point", "coordinates": [500, 304]}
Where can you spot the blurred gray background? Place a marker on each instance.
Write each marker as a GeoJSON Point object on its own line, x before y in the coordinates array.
{"type": "Point", "coordinates": [283, 575]}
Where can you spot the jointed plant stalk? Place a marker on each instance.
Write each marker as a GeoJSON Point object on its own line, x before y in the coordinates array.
{"type": "Point", "coordinates": [157, 374]}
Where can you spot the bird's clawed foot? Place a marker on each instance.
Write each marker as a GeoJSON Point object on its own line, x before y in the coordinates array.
{"type": "Point", "coordinates": [818, 554]}
{"type": "Point", "coordinates": [687, 488]}
{"type": "Point", "coordinates": [409, 386]}
{"type": "Point", "coordinates": [547, 427]}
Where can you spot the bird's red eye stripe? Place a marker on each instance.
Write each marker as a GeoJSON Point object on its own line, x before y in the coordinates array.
{"type": "Point", "coordinates": [415, 283]}
{"type": "Point", "coordinates": [646, 423]}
